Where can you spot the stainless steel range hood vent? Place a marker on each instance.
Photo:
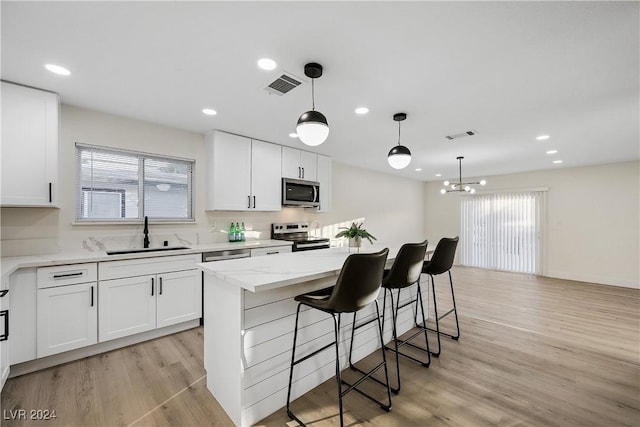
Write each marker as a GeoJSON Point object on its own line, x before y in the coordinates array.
{"type": "Point", "coordinates": [283, 84]}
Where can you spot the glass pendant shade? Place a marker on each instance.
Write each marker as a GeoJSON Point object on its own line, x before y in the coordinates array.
{"type": "Point", "coordinates": [312, 128]}
{"type": "Point", "coordinates": [399, 157]}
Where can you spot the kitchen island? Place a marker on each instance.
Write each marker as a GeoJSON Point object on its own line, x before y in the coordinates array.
{"type": "Point", "coordinates": [249, 316]}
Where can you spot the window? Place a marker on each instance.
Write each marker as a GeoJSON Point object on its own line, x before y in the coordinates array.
{"type": "Point", "coordinates": [119, 185]}
{"type": "Point", "coordinates": [502, 231]}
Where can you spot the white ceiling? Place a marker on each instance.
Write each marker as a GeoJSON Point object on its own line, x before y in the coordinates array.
{"type": "Point", "coordinates": [510, 70]}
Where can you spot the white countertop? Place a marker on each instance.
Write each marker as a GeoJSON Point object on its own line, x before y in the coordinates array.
{"type": "Point", "coordinates": [274, 271]}
{"type": "Point", "coordinates": [10, 264]}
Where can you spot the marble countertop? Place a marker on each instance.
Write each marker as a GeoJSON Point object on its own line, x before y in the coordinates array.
{"type": "Point", "coordinates": [10, 264]}
{"type": "Point", "coordinates": [275, 271]}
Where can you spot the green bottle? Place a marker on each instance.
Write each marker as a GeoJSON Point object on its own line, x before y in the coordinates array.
{"type": "Point", "coordinates": [237, 239]}
{"type": "Point", "coordinates": [242, 230]}
{"type": "Point", "coordinates": [232, 233]}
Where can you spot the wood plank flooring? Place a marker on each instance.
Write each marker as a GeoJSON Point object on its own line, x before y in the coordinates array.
{"type": "Point", "coordinates": [534, 351]}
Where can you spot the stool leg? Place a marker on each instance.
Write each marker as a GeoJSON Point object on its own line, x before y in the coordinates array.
{"type": "Point", "coordinates": [384, 360]}
{"type": "Point", "coordinates": [424, 324]}
{"type": "Point", "coordinates": [455, 310]}
{"type": "Point", "coordinates": [336, 325]}
{"type": "Point", "coordinates": [435, 310]}
{"type": "Point", "coordinates": [293, 358]}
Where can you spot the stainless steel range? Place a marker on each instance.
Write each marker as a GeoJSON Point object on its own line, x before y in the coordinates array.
{"type": "Point", "coordinates": [298, 233]}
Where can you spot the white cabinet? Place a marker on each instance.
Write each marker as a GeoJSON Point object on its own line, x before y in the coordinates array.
{"type": "Point", "coordinates": [299, 164]}
{"type": "Point", "coordinates": [127, 306]}
{"type": "Point", "coordinates": [23, 315]}
{"type": "Point", "coordinates": [270, 251]}
{"type": "Point", "coordinates": [30, 122]}
{"type": "Point", "coordinates": [4, 331]}
{"type": "Point", "coordinates": [244, 174]}
{"type": "Point", "coordinates": [67, 318]}
{"type": "Point", "coordinates": [324, 178]}
{"type": "Point", "coordinates": [67, 313]}
{"type": "Point", "coordinates": [153, 296]}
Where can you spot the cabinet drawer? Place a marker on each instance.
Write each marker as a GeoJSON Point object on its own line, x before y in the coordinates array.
{"type": "Point", "coordinates": [62, 275]}
{"type": "Point", "coordinates": [270, 251]}
{"type": "Point", "coordinates": [142, 266]}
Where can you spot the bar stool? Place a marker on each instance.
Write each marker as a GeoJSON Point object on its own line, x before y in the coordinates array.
{"type": "Point", "coordinates": [404, 272]}
{"type": "Point", "coordinates": [441, 262]}
{"type": "Point", "coordinates": [357, 286]}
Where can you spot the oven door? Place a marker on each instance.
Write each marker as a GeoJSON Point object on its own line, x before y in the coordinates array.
{"type": "Point", "coordinates": [300, 193]}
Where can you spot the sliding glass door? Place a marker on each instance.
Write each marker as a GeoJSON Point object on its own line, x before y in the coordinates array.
{"type": "Point", "coordinates": [502, 231]}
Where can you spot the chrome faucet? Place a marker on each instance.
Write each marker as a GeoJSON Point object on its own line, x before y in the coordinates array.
{"type": "Point", "coordinates": [146, 232]}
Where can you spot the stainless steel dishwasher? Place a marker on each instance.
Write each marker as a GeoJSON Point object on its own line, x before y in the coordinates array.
{"type": "Point", "coordinates": [221, 255]}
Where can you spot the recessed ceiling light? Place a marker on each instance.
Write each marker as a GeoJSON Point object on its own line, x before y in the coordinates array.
{"type": "Point", "coordinates": [438, 174]}
{"type": "Point", "coordinates": [552, 151]}
{"type": "Point", "coordinates": [418, 169]}
{"type": "Point", "coordinates": [542, 137]}
{"type": "Point", "coordinates": [267, 64]}
{"type": "Point", "coordinates": [293, 135]}
{"type": "Point", "coordinates": [209, 111]}
{"type": "Point", "coordinates": [557, 161]}
{"type": "Point", "coordinates": [57, 69]}
{"type": "Point", "coordinates": [362, 110]}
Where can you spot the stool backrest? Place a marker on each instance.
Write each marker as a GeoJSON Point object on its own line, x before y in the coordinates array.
{"type": "Point", "coordinates": [407, 266]}
{"type": "Point", "coordinates": [442, 258]}
{"type": "Point", "coordinates": [358, 283]}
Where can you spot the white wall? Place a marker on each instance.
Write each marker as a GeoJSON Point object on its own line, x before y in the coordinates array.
{"type": "Point", "coordinates": [391, 206]}
{"type": "Point", "coordinates": [592, 220]}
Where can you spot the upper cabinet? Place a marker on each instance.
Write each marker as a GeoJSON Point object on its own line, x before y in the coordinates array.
{"type": "Point", "coordinates": [324, 178]}
{"type": "Point", "coordinates": [298, 164]}
{"type": "Point", "coordinates": [243, 174]}
{"type": "Point", "coordinates": [30, 122]}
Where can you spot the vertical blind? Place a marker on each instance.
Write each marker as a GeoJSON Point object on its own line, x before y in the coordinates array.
{"type": "Point", "coordinates": [502, 231]}
{"type": "Point", "coordinates": [117, 185]}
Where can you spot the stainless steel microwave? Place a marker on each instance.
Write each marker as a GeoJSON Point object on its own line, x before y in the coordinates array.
{"type": "Point", "coordinates": [296, 192]}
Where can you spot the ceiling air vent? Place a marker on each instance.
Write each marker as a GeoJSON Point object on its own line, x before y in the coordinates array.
{"type": "Point", "coordinates": [462, 134]}
{"type": "Point", "coordinates": [283, 84]}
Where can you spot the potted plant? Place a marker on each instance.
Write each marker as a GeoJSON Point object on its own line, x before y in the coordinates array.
{"type": "Point", "coordinates": [355, 234]}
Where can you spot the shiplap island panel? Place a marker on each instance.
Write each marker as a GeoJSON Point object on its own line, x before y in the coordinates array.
{"type": "Point", "coordinates": [249, 315]}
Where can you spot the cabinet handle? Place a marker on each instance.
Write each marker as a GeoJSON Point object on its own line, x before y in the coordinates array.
{"type": "Point", "coordinates": [302, 173]}
{"type": "Point", "coordinates": [152, 283]}
{"type": "Point", "coordinates": [249, 202]}
{"type": "Point", "coordinates": [50, 193]}
{"type": "Point", "coordinates": [67, 275]}
{"type": "Point", "coordinates": [271, 253]}
{"type": "Point", "coordinates": [160, 279]}
{"type": "Point", "coordinates": [299, 172]}
{"type": "Point", "coordinates": [254, 202]}
{"type": "Point", "coordinates": [3, 293]}
{"type": "Point", "coordinates": [92, 296]}
{"type": "Point", "coordinates": [5, 336]}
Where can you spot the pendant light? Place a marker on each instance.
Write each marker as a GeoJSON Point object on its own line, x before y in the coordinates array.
{"type": "Point", "coordinates": [312, 128]}
{"type": "Point", "coordinates": [399, 156]}
{"type": "Point", "coordinates": [460, 187]}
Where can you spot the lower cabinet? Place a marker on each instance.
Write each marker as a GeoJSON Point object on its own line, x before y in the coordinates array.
{"type": "Point", "coordinates": [67, 318]}
{"type": "Point", "coordinates": [137, 304]}
{"type": "Point", "coordinates": [4, 331]}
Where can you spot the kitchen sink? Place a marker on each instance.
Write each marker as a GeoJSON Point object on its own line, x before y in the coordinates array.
{"type": "Point", "coordinates": [143, 250]}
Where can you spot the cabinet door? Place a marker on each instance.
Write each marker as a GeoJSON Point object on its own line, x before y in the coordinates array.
{"type": "Point", "coordinates": [29, 146]}
{"type": "Point", "coordinates": [229, 186]}
{"type": "Point", "coordinates": [179, 297]}
{"type": "Point", "coordinates": [324, 178]}
{"type": "Point", "coordinates": [308, 164]}
{"type": "Point", "coordinates": [4, 332]}
{"type": "Point", "coordinates": [266, 183]}
{"type": "Point", "coordinates": [67, 318]}
{"type": "Point", "coordinates": [126, 306]}
{"type": "Point", "coordinates": [291, 163]}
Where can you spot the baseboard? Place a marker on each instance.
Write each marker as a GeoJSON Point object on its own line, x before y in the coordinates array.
{"type": "Point", "coordinates": [602, 280]}
{"type": "Point", "coordinates": [80, 353]}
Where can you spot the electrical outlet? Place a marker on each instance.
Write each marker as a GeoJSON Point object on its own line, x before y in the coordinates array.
{"type": "Point", "coordinates": [212, 224]}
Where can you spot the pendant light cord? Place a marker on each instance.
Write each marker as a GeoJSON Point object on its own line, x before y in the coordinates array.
{"type": "Point", "coordinates": [460, 169]}
{"type": "Point", "coordinates": [399, 132]}
{"type": "Point", "coordinates": [313, 96]}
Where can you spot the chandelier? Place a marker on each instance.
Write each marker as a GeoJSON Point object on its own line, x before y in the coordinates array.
{"type": "Point", "coordinates": [462, 187]}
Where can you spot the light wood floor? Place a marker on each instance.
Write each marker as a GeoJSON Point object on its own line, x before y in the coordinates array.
{"type": "Point", "coordinates": [534, 351]}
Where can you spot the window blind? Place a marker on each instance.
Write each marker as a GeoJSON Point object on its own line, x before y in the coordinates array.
{"type": "Point", "coordinates": [502, 231]}
{"type": "Point", "coordinates": [119, 185]}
